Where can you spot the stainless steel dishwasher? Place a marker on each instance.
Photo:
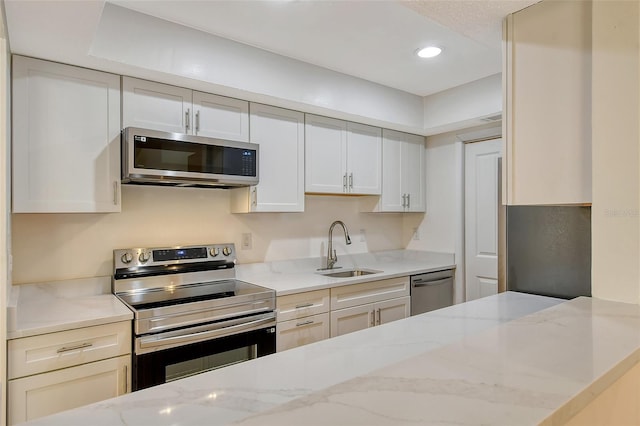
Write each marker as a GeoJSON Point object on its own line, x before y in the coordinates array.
{"type": "Point", "coordinates": [430, 291]}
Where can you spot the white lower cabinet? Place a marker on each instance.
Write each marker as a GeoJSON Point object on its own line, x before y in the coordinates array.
{"type": "Point", "coordinates": [298, 332]}
{"type": "Point", "coordinates": [58, 371]}
{"type": "Point", "coordinates": [358, 306]}
{"type": "Point", "coordinates": [348, 320]}
{"type": "Point", "coordinates": [303, 318]}
{"type": "Point", "coordinates": [48, 393]}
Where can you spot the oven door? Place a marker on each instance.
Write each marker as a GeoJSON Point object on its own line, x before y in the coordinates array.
{"type": "Point", "coordinates": [173, 355]}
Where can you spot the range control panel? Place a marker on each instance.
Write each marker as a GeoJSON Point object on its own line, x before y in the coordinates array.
{"type": "Point", "coordinates": [163, 256]}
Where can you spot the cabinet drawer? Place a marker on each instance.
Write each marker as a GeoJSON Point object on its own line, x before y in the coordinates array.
{"type": "Point", "coordinates": [303, 331]}
{"type": "Point", "coordinates": [301, 305]}
{"type": "Point", "coordinates": [44, 394]}
{"type": "Point", "coordinates": [369, 292]}
{"type": "Point", "coordinates": [46, 352]}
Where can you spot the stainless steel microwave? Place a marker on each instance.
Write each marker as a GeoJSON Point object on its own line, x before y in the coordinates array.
{"type": "Point", "coordinates": [163, 158]}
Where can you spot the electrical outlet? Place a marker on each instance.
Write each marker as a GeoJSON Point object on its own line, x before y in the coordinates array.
{"type": "Point", "coordinates": [416, 234]}
{"type": "Point", "coordinates": [246, 241]}
{"type": "Point", "coordinates": [363, 235]}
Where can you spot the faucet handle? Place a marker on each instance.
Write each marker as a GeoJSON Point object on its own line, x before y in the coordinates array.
{"type": "Point", "coordinates": [335, 256]}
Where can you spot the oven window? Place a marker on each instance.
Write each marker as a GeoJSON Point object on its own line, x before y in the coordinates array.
{"type": "Point", "coordinates": [163, 154]}
{"type": "Point", "coordinates": [188, 368]}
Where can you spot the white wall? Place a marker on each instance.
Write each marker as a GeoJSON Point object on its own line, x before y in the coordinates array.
{"type": "Point", "coordinates": [615, 212]}
{"type": "Point", "coordinates": [463, 106]}
{"type": "Point", "coordinates": [440, 229]}
{"type": "Point", "coordinates": [80, 245]}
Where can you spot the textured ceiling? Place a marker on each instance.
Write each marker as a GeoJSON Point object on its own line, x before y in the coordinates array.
{"type": "Point", "coordinates": [480, 20]}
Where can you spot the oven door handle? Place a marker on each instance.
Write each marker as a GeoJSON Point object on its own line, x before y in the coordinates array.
{"type": "Point", "coordinates": [208, 332]}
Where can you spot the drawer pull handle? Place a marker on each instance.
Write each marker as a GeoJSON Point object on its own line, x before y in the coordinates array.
{"type": "Point", "coordinates": [300, 324]}
{"type": "Point", "coordinates": [73, 348]}
{"type": "Point", "coordinates": [304, 305]}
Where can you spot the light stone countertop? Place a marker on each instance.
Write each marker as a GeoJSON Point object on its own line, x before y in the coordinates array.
{"type": "Point", "coordinates": [297, 275]}
{"type": "Point", "coordinates": [41, 308]}
{"type": "Point", "coordinates": [277, 389]}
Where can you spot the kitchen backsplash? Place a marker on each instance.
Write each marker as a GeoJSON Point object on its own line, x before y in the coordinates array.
{"type": "Point", "coordinates": [49, 247]}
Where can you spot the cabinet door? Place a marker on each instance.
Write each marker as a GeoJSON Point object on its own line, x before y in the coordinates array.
{"type": "Point", "coordinates": [547, 148]}
{"type": "Point", "coordinates": [393, 196]}
{"type": "Point", "coordinates": [414, 173]}
{"type": "Point", "coordinates": [66, 138]}
{"type": "Point", "coordinates": [392, 310]}
{"type": "Point", "coordinates": [220, 117]}
{"type": "Point", "coordinates": [348, 320]}
{"type": "Point", "coordinates": [298, 332]}
{"type": "Point", "coordinates": [280, 134]}
{"type": "Point", "coordinates": [156, 106]}
{"type": "Point", "coordinates": [48, 393]}
{"type": "Point", "coordinates": [364, 159]}
{"type": "Point", "coordinates": [325, 155]}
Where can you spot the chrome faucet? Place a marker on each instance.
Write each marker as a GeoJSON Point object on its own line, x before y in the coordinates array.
{"type": "Point", "coordinates": [332, 257]}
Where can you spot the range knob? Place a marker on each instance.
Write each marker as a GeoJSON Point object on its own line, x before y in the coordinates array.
{"type": "Point", "coordinates": [144, 256]}
{"type": "Point", "coordinates": [214, 251]}
{"type": "Point", "coordinates": [226, 251]}
{"type": "Point", "coordinates": [127, 257]}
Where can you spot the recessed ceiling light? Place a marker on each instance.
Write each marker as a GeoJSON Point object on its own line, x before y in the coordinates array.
{"type": "Point", "coordinates": [429, 52]}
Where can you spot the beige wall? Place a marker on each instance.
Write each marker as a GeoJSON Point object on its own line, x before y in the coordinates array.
{"type": "Point", "coordinates": [616, 155]}
{"type": "Point", "coordinates": [80, 245]}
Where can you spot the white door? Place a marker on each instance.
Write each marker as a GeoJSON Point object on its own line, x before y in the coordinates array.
{"type": "Point", "coordinates": [348, 320]}
{"type": "Point", "coordinates": [481, 218]}
{"type": "Point", "coordinates": [325, 155]}
{"type": "Point", "coordinates": [66, 138]}
{"type": "Point", "coordinates": [220, 117]}
{"type": "Point", "coordinates": [392, 198]}
{"type": "Point", "coordinates": [364, 159]}
{"type": "Point", "coordinates": [414, 172]}
{"type": "Point", "coordinates": [156, 106]}
{"type": "Point", "coordinates": [392, 310]}
{"type": "Point", "coordinates": [280, 134]}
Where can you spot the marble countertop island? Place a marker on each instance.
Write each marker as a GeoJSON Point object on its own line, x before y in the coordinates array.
{"type": "Point", "coordinates": [511, 359]}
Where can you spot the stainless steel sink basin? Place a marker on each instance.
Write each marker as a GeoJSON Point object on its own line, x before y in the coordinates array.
{"type": "Point", "coordinates": [348, 273]}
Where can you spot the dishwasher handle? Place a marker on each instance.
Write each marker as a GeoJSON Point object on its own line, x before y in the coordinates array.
{"type": "Point", "coordinates": [422, 283]}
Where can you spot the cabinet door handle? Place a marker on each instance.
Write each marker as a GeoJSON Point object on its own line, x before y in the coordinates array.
{"type": "Point", "coordinates": [373, 318]}
{"type": "Point", "coordinates": [254, 199]}
{"type": "Point", "coordinates": [344, 182]}
{"type": "Point", "coordinates": [197, 121]}
{"type": "Point", "coordinates": [304, 305]}
{"type": "Point", "coordinates": [404, 200]}
{"type": "Point", "coordinates": [126, 379]}
{"type": "Point", "coordinates": [300, 324]}
{"type": "Point", "coordinates": [378, 315]}
{"type": "Point", "coordinates": [186, 119]}
{"type": "Point", "coordinates": [351, 181]}
{"type": "Point", "coordinates": [408, 201]}
{"type": "Point", "coordinates": [115, 192]}
{"type": "Point", "coordinates": [74, 347]}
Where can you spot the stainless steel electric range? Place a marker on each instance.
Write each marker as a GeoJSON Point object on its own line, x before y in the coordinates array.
{"type": "Point", "coordinates": [190, 313]}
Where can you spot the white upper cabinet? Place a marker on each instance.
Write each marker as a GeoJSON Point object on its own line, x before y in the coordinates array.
{"type": "Point", "coordinates": [547, 123]}
{"type": "Point", "coordinates": [280, 134]}
{"type": "Point", "coordinates": [403, 173]}
{"type": "Point", "coordinates": [158, 106]}
{"type": "Point", "coordinates": [66, 138]}
{"type": "Point", "coordinates": [342, 157]}
{"type": "Point", "coordinates": [220, 117]}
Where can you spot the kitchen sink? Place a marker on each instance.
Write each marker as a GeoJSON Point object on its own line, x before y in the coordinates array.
{"type": "Point", "coordinates": [348, 273]}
